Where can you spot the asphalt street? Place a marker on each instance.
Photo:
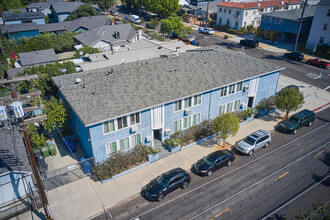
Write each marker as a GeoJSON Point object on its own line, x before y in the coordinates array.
{"type": "Point", "coordinates": [294, 69]}
{"type": "Point", "coordinates": [281, 180]}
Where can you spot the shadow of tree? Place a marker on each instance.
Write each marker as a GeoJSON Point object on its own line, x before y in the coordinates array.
{"type": "Point", "coordinates": [210, 142]}
{"type": "Point", "coordinates": [318, 178]}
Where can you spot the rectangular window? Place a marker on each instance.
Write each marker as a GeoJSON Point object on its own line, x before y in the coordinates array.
{"type": "Point", "coordinates": [246, 13]}
{"type": "Point", "coordinates": [254, 12]}
{"type": "Point", "coordinates": [237, 104]}
{"type": "Point", "coordinates": [281, 21]}
{"type": "Point", "coordinates": [223, 91]}
{"type": "Point", "coordinates": [261, 10]}
{"type": "Point", "coordinates": [135, 118]}
{"type": "Point", "coordinates": [224, 10]}
{"type": "Point", "coordinates": [328, 13]}
{"type": "Point", "coordinates": [111, 148]}
{"type": "Point", "coordinates": [178, 105]}
{"type": "Point", "coordinates": [221, 109]}
{"type": "Point", "coordinates": [136, 140]}
{"type": "Point", "coordinates": [321, 41]}
{"type": "Point", "coordinates": [276, 20]}
{"type": "Point", "coordinates": [270, 19]}
{"type": "Point", "coordinates": [239, 86]}
{"type": "Point", "coordinates": [196, 119]}
{"type": "Point", "coordinates": [228, 22]}
{"type": "Point", "coordinates": [265, 18]}
{"type": "Point", "coordinates": [229, 107]}
{"type": "Point", "coordinates": [220, 10]}
{"type": "Point", "coordinates": [229, 11]}
{"type": "Point", "coordinates": [188, 102]}
{"type": "Point", "coordinates": [231, 89]}
{"type": "Point", "coordinates": [124, 144]}
{"type": "Point", "coordinates": [325, 27]}
{"type": "Point", "coordinates": [197, 99]}
{"type": "Point", "coordinates": [244, 23]}
{"type": "Point", "coordinates": [109, 126]}
{"type": "Point", "coordinates": [122, 122]}
{"type": "Point", "coordinates": [186, 122]}
{"type": "Point", "coordinates": [177, 125]}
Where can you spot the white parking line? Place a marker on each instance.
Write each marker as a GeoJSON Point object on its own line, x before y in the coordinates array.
{"type": "Point", "coordinates": [313, 76]}
{"type": "Point", "coordinates": [230, 171]}
{"type": "Point", "coordinates": [290, 164]}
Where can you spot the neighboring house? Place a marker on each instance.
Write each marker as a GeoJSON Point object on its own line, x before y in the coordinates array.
{"type": "Point", "coordinates": [287, 22]}
{"type": "Point", "coordinates": [61, 10]}
{"type": "Point", "coordinates": [37, 57]}
{"type": "Point", "coordinates": [114, 109]}
{"type": "Point", "coordinates": [108, 38]}
{"type": "Point", "coordinates": [43, 7]}
{"type": "Point", "coordinates": [241, 14]}
{"type": "Point", "coordinates": [15, 174]}
{"type": "Point", "coordinates": [32, 29]}
{"type": "Point", "coordinates": [11, 17]}
{"type": "Point", "coordinates": [183, 2]}
{"type": "Point", "coordinates": [320, 27]}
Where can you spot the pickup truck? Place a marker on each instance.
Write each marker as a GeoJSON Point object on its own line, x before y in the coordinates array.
{"type": "Point", "coordinates": [318, 62]}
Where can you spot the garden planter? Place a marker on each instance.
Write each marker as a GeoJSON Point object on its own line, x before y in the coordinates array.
{"type": "Point", "coordinates": [175, 149]}
{"type": "Point", "coordinates": [262, 113]}
{"type": "Point", "coordinates": [248, 118]}
{"type": "Point", "coordinates": [153, 157]}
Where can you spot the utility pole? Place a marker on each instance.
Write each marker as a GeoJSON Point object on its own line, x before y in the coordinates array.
{"type": "Point", "coordinates": [207, 11]}
{"type": "Point", "coordinates": [300, 23]}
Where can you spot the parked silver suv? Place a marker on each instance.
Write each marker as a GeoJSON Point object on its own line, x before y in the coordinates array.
{"type": "Point", "coordinates": [254, 141]}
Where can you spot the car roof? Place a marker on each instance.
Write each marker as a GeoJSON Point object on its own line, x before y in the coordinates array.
{"type": "Point", "coordinates": [220, 153]}
{"type": "Point", "coordinates": [259, 133]}
{"type": "Point", "coordinates": [303, 113]}
{"type": "Point", "coordinates": [173, 172]}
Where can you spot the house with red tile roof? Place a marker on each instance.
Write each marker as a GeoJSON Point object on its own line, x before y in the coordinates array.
{"type": "Point", "coordinates": [241, 14]}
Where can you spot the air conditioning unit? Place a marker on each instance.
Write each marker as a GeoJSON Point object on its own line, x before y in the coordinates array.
{"type": "Point", "coordinates": [134, 128]}
{"type": "Point", "coordinates": [187, 111]}
{"type": "Point", "coordinates": [245, 87]}
{"type": "Point", "coordinates": [167, 131]}
{"type": "Point", "coordinates": [148, 138]}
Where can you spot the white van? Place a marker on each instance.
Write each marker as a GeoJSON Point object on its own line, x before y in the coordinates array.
{"type": "Point", "coordinates": [135, 19]}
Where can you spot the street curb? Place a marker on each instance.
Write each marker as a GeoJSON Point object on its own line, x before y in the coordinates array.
{"type": "Point", "coordinates": [321, 107]}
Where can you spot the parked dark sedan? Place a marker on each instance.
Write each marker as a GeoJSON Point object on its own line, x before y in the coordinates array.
{"type": "Point", "coordinates": [166, 183]}
{"type": "Point", "coordinates": [214, 161]}
{"type": "Point", "coordinates": [296, 56]}
{"type": "Point", "coordinates": [249, 43]}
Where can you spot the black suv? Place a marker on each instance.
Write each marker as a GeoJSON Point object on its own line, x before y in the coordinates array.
{"type": "Point", "coordinates": [296, 56]}
{"type": "Point", "coordinates": [300, 119]}
{"type": "Point", "coordinates": [214, 161]}
{"type": "Point", "coordinates": [167, 183]}
{"type": "Point", "coordinates": [249, 43]}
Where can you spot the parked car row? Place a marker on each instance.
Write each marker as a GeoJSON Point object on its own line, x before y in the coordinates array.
{"type": "Point", "coordinates": [178, 178]}
{"type": "Point", "coordinates": [299, 57]}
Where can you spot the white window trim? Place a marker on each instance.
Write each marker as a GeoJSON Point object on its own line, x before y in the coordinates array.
{"type": "Point", "coordinates": [194, 100]}
{"type": "Point", "coordinates": [192, 118]}
{"type": "Point", "coordinates": [235, 85]}
{"type": "Point", "coordinates": [174, 125]}
{"type": "Point", "coordinates": [106, 151]}
{"type": "Point", "coordinates": [238, 107]}
{"type": "Point", "coordinates": [129, 120]}
{"type": "Point", "coordinates": [131, 142]}
{"type": "Point", "coordinates": [115, 124]}
{"type": "Point", "coordinates": [182, 122]}
{"type": "Point", "coordinates": [224, 105]}
{"type": "Point", "coordinates": [128, 123]}
{"type": "Point", "coordinates": [182, 106]}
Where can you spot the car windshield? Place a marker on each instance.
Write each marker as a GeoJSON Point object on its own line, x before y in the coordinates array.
{"type": "Point", "coordinates": [249, 140]}
{"type": "Point", "coordinates": [162, 181]}
{"type": "Point", "coordinates": [209, 160]}
{"type": "Point", "coordinates": [294, 119]}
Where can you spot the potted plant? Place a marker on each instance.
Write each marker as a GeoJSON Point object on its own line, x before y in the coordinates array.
{"type": "Point", "coordinates": [153, 154]}
{"type": "Point", "coordinates": [262, 108]}
{"type": "Point", "coordinates": [173, 144]}
{"type": "Point", "coordinates": [248, 114]}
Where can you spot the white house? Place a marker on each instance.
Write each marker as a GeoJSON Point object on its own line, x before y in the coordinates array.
{"type": "Point", "coordinates": [320, 30]}
{"type": "Point", "coordinates": [241, 14]}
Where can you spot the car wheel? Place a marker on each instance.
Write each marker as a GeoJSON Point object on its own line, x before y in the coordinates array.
{"type": "Point", "coordinates": [295, 131]}
{"type": "Point", "coordinates": [309, 63]}
{"type": "Point", "coordinates": [229, 163]}
{"type": "Point", "coordinates": [266, 145]}
{"type": "Point", "coordinates": [251, 152]}
{"type": "Point", "coordinates": [321, 66]}
{"type": "Point", "coordinates": [297, 59]}
{"type": "Point", "coordinates": [285, 56]}
{"type": "Point", "coordinates": [160, 197]}
{"type": "Point", "coordinates": [310, 123]}
{"type": "Point", "coordinates": [209, 173]}
{"type": "Point", "coordinates": [185, 185]}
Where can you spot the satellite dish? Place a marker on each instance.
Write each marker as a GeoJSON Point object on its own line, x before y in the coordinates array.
{"type": "Point", "coordinates": [78, 80]}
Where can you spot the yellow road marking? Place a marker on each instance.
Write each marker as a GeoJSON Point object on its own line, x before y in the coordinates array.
{"type": "Point", "coordinates": [319, 153]}
{"type": "Point", "coordinates": [281, 176]}
{"type": "Point", "coordinates": [219, 214]}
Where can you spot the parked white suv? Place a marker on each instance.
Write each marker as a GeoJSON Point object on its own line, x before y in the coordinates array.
{"type": "Point", "coordinates": [206, 30]}
{"type": "Point", "coordinates": [254, 141]}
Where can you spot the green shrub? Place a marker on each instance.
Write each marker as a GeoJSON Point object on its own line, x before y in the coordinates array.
{"type": "Point", "coordinates": [233, 31]}
{"type": "Point", "coordinates": [151, 150]}
{"type": "Point", "coordinates": [120, 162]}
{"type": "Point", "coordinates": [172, 142]}
{"type": "Point", "coordinates": [37, 139]}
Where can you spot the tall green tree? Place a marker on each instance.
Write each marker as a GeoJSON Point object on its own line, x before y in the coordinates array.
{"type": "Point", "coordinates": [226, 125]}
{"type": "Point", "coordinates": [82, 11]}
{"type": "Point", "coordinates": [5, 5]}
{"type": "Point", "coordinates": [319, 211]}
{"type": "Point", "coordinates": [173, 24]}
{"type": "Point", "coordinates": [56, 113]}
{"type": "Point", "coordinates": [288, 100]}
{"type": "Point", "coordinates": [163, 8]}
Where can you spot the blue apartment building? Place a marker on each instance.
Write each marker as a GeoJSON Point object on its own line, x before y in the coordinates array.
{"type": "Point", "coordinates": [113, 109]}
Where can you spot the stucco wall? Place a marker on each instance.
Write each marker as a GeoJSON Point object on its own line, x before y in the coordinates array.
{"type": "Point", "coordinates": [26, 34]}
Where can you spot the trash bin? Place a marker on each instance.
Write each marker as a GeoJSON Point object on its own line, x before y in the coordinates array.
{"type": "Point", "coordinates": [86, 166]}
{"type": "Point", "coordinates": [45, 151]}
{"type": "Point", "coordinates": [52, 149]}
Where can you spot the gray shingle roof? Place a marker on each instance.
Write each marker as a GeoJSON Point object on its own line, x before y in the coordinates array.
{"type": "Point", "coordinates": [66, 7]}
{"type": "Point", "coordinates": [324, 2]}
{"type": "Point", "coordinates": [133, 87]}
{"type": "Point", "coordinates": [38, 57]}
{"type": "Point", "coordinates": [12, 28]}
{"type": "Point", "coordinates": [293, 14]}
{"type": "Point", "coordinates": [8, 155]}
{"type": "Point", "coordinates": [106, 33]}
{"type": "Point", "coordinates": [7, 16]}
{"type": "Point", "coordinates": [39, 5]}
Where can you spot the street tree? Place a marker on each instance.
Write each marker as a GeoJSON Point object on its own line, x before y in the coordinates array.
{"type": "Point", "coordinates": [319, 211]}
{"type": "Point", "coordinates": [288, 100]}
{"type": "Point", "coordinates": [56, 113]}
{"type": "Point", "coordinates": [83, 11]}
{"type": "Point", "coordinates": [163, 8]}
{"type": "Point", "coordinates": [226, 125]}
{"type": "Point", "coordinates": [173, 25]}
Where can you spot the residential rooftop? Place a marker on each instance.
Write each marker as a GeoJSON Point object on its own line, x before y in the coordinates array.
{"type": "Point", "coordinates": [293, 15]}
{"type": "Point", "coordinates": [69, 7]}
{"type": "Point", "coordinates": [108, 93]}
{"type": "Point", "coordinates": [37, 57]}
{"type": "Point", "coordinates": [258, 4]}
{"type": "Point", "coordinates": [8, 16]}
